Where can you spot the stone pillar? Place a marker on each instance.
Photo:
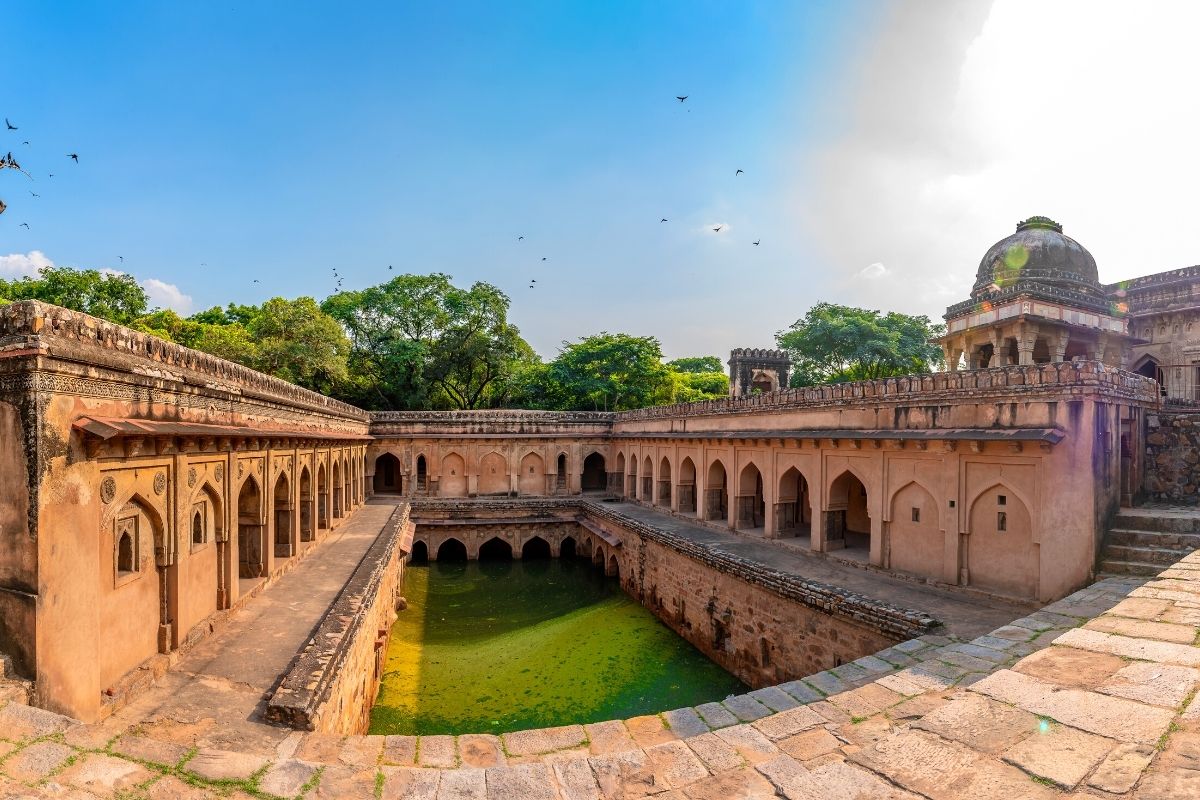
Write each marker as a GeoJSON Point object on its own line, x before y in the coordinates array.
{"type": "Point", "coordinates": [1060, 346]}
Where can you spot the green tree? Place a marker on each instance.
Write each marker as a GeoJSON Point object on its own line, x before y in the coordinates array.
{"type": "Point", "coordinates": [610, 372]}
{"type": "Point", "coordinates": [418, 341]}
{"type": "Point", "coordinates": [834, 343]}
{"type": "Point", "coordinates": [697, 364]}
{"type": "Point", "coordinates": [693, 387]}
{"type": "Point", "coordinates": [296, 341]}
{"type": "Point", "coordinates": [117, 298]}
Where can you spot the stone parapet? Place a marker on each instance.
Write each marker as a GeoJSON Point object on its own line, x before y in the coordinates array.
{"type": "Point", "coordinates": [33, 328]}
{"type": "Point", "coordinates": [333, 680]}
{"type": "Point", "coordinates": [497, 422]}
{"type": "Point", "coordinates": [1064, 379]}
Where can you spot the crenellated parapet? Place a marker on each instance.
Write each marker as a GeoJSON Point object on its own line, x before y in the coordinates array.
{"type": "Point", "coordinates": [497, 422]}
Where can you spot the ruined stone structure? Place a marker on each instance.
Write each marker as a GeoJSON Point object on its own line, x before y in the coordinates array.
{"type": "Point", "coordinates": [754, 370]}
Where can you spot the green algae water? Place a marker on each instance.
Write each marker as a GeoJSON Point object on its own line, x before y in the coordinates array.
{"type": "Point", "coordinates": [491, 647]}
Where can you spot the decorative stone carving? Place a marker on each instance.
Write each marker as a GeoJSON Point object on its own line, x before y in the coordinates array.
{"type": "Point", "coordinates": [108, 489]}
{"type": "Point", "coordinates": [191, 477]}
{"type": "Point", "coordinates": [219, 472]}
{"type": "Point", "coordinates": [241, 468]}
{"type": "Point", "coordinates": [160, 482]}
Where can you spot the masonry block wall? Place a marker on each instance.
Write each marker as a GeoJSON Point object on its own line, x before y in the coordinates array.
{"type": "Point", "coordinates": [1173, 457]}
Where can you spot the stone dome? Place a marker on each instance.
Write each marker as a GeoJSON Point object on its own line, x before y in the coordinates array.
{"type": "Point", "coordinates": [1039, 253]}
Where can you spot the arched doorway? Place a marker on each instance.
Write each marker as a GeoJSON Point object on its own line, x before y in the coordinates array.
{"type": "Point", "coordinates": [567, 548]}
{"type": "Point", "coordinates": [251, 547]}
{"type": "Point", "coordinates": [495, 549]}
{"type": "Point", "coordinates": [209, 509]}
{"type": "Point", "coordinates": [664, 482]}
{"type": "Point", "coordinates": [716, 493]}
{"type": "Point", "coordinates": [793, 511]}
{"type": "Point", "coordinates": [614, 569]}
{"type": "Point", "coordinates": [282, 504]}
{"type": "Point", "coordinates": [322, 499]}
{"type": "Point", "coordinates": [1001, 554]}
{"type": "Point", "coordinates": [387, 478]}
{"type": "Point", "coordinates": [915, 542]}
{"type": "Point", "coordinates": [648, 480]}
{"type": "Point", "coordinates": [751, 508]}
{"type": "Point", "coordinates": [532, 479]}
{"type": "Point", "coordinates": [306, 506]}
{"type": "Point", "coordinates": [632, 488]}
{"type": "Point", "coordinates": [560, 478]}
{"type": "Point", "coordinates": [337, 490]}
{"type": "Point", "coordinates": [422, 474]}
{"type": "Point", "coordinates": [594, 478]}
{"type": "Point", "coordinates": [452, 550]}
{"type": "Point", "coordinates": [618, 486]}
{"type": "Point", "coordinates": [535, 548]}
{"type": "Point", "coordinates": [454, 476]}
{"type": "Point", "coordinates": [848, 521]}
{"type": "Point", "coordinates": [420, 553]}
{"type": "Point", "coordinates": [687, 486]}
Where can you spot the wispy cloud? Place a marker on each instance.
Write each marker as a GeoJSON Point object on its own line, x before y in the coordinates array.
{"type": "Point", "coordinates": [167, 295]}
{"type": "Point", "coordinates": [16, 265]}
{"type": "Point", "coordinates": [160, 293]}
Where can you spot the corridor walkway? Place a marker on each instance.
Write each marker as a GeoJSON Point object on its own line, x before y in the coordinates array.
{"type": "Point", "coordinates": [964, 614]}
{"type": "Point", "coordinates": [228, 676]}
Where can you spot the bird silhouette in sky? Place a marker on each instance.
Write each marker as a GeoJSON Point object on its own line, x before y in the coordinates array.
{"type": "Point", "coordinates": [25, 225]}
{"type": "Point", "coordinates": [35, 194]}
{"type": "Point", "coordinates": [664, 219]}
{"type": "Point", "coordinates": [718, 229]}
{"type": "Point", "coordinates": [122, 259]}
{"type": "Point", "coordinates": [681, 99]}
{"type": "Point", "coordinates": [255, 280]}
{"type": "Point", "coordinates": [74, 157]}
{"type": "Point", "coordinates": [11, 127]}
{"type": "Point", "coordinates": [519, 238]}
{"type": "Point", "coordinates": [739, 172]}
{"type": "Point", "coordinates": [543, 258]}
{"type": "Point", "coordinates": [2, 206]}
{"type": "Point", "coordinates": [757, 243]}
{"type": "Point", "coordinates": [25, 142]}
{"type": "Point", "coordinates": [389, 266]}
{"type": "Point", "coordinates": [533, 280]}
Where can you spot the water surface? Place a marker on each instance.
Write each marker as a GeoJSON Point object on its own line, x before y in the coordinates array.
{"type": "Point", "coordinates": [490, 647]}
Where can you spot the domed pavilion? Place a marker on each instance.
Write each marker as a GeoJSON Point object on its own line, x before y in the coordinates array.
{"type": "Point", "coordinates": [1037, 299]}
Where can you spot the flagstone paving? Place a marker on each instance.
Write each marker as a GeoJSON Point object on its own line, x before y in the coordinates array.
{"type": "Point", "coordinates": [1093, 696]}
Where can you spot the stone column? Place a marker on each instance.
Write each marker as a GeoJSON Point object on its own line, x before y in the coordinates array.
{"type": "Point", "coordinates": [1060, 346]}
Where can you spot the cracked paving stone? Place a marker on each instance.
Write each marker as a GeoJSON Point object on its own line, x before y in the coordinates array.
{"type": "Point", "coordinates": [1060, 754]}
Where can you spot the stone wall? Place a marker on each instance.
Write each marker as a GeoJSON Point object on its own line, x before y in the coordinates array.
{"type": "Point", "coordinates": [1173, 457]}
{"type": "Point", "coordinates": [332, 684]}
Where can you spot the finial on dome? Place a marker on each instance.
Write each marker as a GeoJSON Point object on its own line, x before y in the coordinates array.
{"type": "Point", "coordinates": [1039, 222]}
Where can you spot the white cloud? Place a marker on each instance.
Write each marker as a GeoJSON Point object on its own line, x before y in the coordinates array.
{"type": "Point", "coordinates": [873, 271]}
{"type": "Point", "coordinates": [167, 295]}
{"type": "Point", "coordinates": [964, 118]}
{"type": "Point", "coordinates": [16, 265]}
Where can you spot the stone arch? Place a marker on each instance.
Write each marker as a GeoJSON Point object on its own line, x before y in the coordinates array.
{"type": "Point", "coordinates": [916, 543]}
{"type": "Point", "coordinates": [252, 546]}
{"type": "Point", "coordinates": [793, 506]}
{"type": "Point", "coordinates": [751, 505]}
{"type": "Point", "coordinates": [599, 559]}
{"type": "Point", "coordinates": [560, 475]}
{"type": "Point", "coordinates": [495, 549]}
{"type": "Point", "coordinates": [535, 548]}
{"type": "Point", "coordinates": [532, 479]}
{"type": "Point", "coordinates": [594, 477]}
{"type": "Point", "coordinates": [587, 546]}
{"type": "Point", "coordinates": [322, 498]}
{"type": "Point", "coordinates": [1002, 556]}
{"type": "Point", "coordinates": [338, 509]}
{"type": "Point", "coordinates": [387, 478]}
{"type": "Point", "coordinates": [614, 568]}
{"type": "Point", "coordinates": [493, 474]}
{"type": "Point", "coordinates": [686, 486]}
{"type": "Point", "coordinates": [453, 482]}
{"type": "Point", "coordinates": [420, 553]}
{"type": "Point", "coordinates": [647, 480]}
{"type": "Point", "coordinates": [567, 547]}
{"type": "Point", "coordinates": [848, 517]}
{"type": "Point", "coordinates": [422, 473]}
{"type": "Point", "coordinates": [664, 482]}
{"type": "Point", "coordinates": [631, 489]}
{"type": "Point", "coordinates": [452, 550]}
{"type": "Point", "coordinates": [214, 566]}
{"type": "Point", "coordinates": [307, 509]}
{"type": "Point", "coordinates": [716, 491]}
{"type": "Point", "coordinates": [281, 506]}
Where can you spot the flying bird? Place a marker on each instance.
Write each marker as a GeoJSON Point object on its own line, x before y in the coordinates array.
{"type": "Point", "coordinates": [757, 243]}
{"type": "Point", "coordinates": [2, 206]}
{"type": "Point", "coordinates": [35, 194]}
{"type": "Point", "coordinates": [543, 258]}
{"type": "Point", "coordinates": [664, 219]}
{"type": "Point", "coordinates": [74, 157]}
{"type": "Point", "coordinates": [533, 280]}
{"type": "Point", "coordinates": [255, 280]}
{"type": "Point", "coordinates": [122, 259]}
{"type": "Point", "coordinates": [389, 266]}
{"type": "Point", "coordinates": [519, 238]}
{"type": "Point", "coordinates": [681, 99]}
{"type": "Point", "coordinates": [718, 229]}
{"type": "Point", "coordinates": [11, 127]}
{"type": "Point", "coordinates": [25, 142]}
{"type": "Point", "coordinates": [24, 224]}
{"type": "Point", "coordinates": [739, 172]}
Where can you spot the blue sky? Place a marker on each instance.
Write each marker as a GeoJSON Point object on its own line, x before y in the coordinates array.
{"type": "Point", "coordinates": [279, 141]}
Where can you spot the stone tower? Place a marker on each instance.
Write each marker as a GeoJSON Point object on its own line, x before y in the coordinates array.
{"type": "Point", "coordinates": [753, 368]}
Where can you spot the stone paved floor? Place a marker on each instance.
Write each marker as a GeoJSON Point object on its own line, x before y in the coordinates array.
{"type": "Point", "coordinates": [229, 675]}
{"type": "Point", "coordinates": [965, 615]}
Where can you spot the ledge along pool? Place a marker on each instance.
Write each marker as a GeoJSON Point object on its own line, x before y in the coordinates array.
{"type": "Point", "coordinates": [492, 647]}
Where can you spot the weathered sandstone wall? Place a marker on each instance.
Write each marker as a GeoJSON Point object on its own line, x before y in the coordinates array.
{"type": "Point", "coordinates": [1173, 457]}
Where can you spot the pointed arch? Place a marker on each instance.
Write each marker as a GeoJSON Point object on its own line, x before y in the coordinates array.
{"type": "Point", "coordinates": [282, 509]}
{"type": "Point", "coordinates": [751, 505]}
{"type": "Point", "coordinates": [252, 548]}
{"type": "Point", "coordinates": [686, 486]}
{"type": "Point", "coordinates": [567, 548]}
{"type": "Point", "coordinates": [716, 491]}
{"type": "Point", "coordinates": [493, 474]}
{"type": "Point", "coordinates": [663, 496]}
{"type": "Point", "coordinates": [420, 553]}
{"type": "Point", "coordinates": [387, 478]}
{"type": "Point", "coordinates": [322, 497]}
{"type": "Point", "coordinates": [1002, 556]}
{"type": "Point", "coordinates": [336, 473]}
{"type": "Point", "coordinates": [452, 550]}
{"type": "Point", "coordinates": [307, 505]}
{"type": "Point", "coordinates": [560, 474]}
{"type": "Point", "coordinates": [495, 549]}
{"type": "Point", "coordinates": [532, 476]}
{"type": "Point", "coordinates": [849, 518]}
{"type": "Point", "coordinates": [793, 515]}
{"type": "Point", "coordinates": [535, 548]}
{"type": "Point", "coordinates": [647, 480]}
{"type": "Point", "coordinates": [453, 482]}
{"type": "Point", "coordinates": [916, 543]}
{"type": "Point", "coordinates": [595, 476]}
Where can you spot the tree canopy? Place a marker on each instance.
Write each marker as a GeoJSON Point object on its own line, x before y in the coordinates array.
{"type": "Point", "coordinates": [834, 343]}
{"type": "Point", "coordinates": [697, 364]}
{"type": "Point", "coordinates": [107, 295]}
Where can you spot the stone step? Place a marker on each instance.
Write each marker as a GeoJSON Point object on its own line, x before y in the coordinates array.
{"type": "Point", "coordinates": [1163, 556]}
{"type": "Point", "coordinates": [1136, 538]}
{"type": "Point", "coordinates": [1165, 520]}
{"type": "Point", "coordinates": [1110, 567]}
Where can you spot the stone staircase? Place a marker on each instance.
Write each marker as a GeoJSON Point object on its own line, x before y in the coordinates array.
{"type": "Point", "coordinates": [1146, 540]}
